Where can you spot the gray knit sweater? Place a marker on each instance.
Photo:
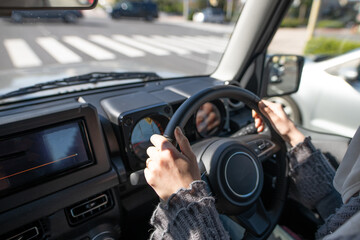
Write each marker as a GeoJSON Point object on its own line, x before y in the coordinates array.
{"type": "Point", "coordinates": [188, 214]}
{"type": "Point", "coordinates": [311, 184]}
{"type": "Point", "coordinates": [191, 213]}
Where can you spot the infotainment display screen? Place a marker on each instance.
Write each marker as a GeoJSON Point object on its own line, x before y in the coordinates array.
{"type": "Point", "coordinates": [33, 157]}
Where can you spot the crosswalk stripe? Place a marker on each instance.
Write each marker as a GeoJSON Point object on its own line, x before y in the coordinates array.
{"type": "Point", "coordinates": [195, 43]}
{"type": "Point", "coordinates": [214, 39]}
{"type": "Point", "coordinates": [154, 42]}
{"type": "Point", "coordinates": [180, 43]}
{"type": "Point", "coordinates": [21, 54]}
{"type": "Point", "coordinates": [116, 46]}
{"type": "Point", "coordinates": [58, 51]}
{"type": "Point", "coordinates": [202, 60]}
{"type": "Point", "coordinates": [208, 42]}
{"type": "Point", "coordinates": [140, 45]}
{"type": "Point", "coordinates": [89, 48]}
{"type": "Point", "coordinates": [211, 46]}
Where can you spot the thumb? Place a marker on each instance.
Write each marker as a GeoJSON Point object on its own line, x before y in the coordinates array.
{"type": "Point", "coordinates": [183, 143]}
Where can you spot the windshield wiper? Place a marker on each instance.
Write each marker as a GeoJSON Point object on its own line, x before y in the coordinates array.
{"type": "Point", "coordinates": [94, 77]}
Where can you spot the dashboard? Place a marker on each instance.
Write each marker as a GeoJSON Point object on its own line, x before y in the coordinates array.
{"type": "Point", "coordinates": [65, 160]}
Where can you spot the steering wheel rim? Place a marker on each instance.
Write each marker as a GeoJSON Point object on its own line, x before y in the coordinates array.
{"type": "Point", "coordinates": [255, 211]}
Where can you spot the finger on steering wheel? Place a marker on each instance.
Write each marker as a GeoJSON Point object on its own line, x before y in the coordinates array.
{"type": "Point", "coordinates": [152, 152]}
{"type": "Point", "coordinates": [183, 143]}
{"type": "Point", "coordinates": [160, 142]}
{"type": "Point", "coordinates": [259, 124]}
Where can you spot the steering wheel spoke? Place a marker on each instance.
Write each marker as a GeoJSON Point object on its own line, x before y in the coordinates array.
{"type": "Point", "coordinates": [255, 220]}
{"type": "Point", "coordinates": [262, 145]}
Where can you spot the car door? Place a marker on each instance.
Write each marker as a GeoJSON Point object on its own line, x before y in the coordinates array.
{"type": "Point", "coordinates": [135, 9]}
{"type": "Point", "coordinates": [328, 91]}
{"type": "Point", "coordinates": [126, 9]}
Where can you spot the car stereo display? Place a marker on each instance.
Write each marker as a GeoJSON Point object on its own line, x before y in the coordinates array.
{"type": "Point", "coordinates": [32, 157]}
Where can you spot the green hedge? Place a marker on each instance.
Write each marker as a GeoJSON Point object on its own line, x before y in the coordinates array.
{"type": "Point", "coordinates": [170, 6]}
{"type": "Point", "coordinates": [329, 46]}
{"type": "Point", "coordinates": [292, 22]}
{"type": "Point", "coordinates": [330, 24]}
{"type": "Point", "coordinates": [295, 22]}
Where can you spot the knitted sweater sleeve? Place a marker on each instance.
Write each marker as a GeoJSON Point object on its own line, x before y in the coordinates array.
{"type": "Point", "coordinates": [188, 214]}
{"type": "Point", "coordinates": [311, 175]}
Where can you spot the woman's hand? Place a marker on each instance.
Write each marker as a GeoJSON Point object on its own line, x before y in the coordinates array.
{"type": "Point", "coordinates": [167, 170]}
{"type": "Point", "coordinates": [279, 120]}
{"type": "Point", "coordinates": [207, 119]}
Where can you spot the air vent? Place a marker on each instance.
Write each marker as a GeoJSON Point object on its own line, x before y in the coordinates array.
{"type": "Point", "coordinates": [29, 232]}
{"type": "Point", "coordinates": [89, 207]}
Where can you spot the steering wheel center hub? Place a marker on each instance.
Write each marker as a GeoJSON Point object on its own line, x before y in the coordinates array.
{"type": "Point", "coordinates": [242, 174]}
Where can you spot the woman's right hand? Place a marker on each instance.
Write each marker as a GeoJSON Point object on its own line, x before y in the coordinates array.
{"type": "Point", "coordinates": [279, 120]}
{"type": "Point", "coordinates": [167, 170]}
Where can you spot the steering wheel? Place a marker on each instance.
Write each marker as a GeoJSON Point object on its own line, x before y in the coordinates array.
{"type": "Point", "coordinates": [233, 166]}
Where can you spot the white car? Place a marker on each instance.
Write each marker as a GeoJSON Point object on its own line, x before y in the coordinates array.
{"type": "Point", "coordinates": [209, 15]}
{"type": "Point", "coordinates": [327, 86]}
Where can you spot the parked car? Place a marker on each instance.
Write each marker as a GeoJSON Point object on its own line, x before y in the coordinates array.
{"type": "Point", "coordinates": [330, 85]}
{"type": "Point", "coordinates": [209, 14]}
{"type": "Point", "coordinates": [147, 10]}
{"type": "Point", "coordinates": [68, 16]}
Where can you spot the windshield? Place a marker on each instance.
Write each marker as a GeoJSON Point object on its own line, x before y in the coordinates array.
{"type": "Point", "coordinates": [169, 38]}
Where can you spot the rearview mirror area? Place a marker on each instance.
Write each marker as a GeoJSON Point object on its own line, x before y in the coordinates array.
{"type": "Point", "coordinates": [282, 74]}
{"type": "Point", "coordinates": [47, 4]}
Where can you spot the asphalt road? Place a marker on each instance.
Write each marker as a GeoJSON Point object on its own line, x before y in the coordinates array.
{"type": "Point", "coordinates": [171, 48]}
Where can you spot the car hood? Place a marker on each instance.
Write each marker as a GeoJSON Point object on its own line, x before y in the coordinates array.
{"type": "Point", "coordinates": [11, 80]}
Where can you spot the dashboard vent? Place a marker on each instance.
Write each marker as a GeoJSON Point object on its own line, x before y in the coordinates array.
{"type": "Point", "coordinates": [90, 207]}
{"type": "Point", "coordinates": [29, 232]}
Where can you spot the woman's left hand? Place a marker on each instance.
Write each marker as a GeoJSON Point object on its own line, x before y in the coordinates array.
{"type": "Point", "coordinates": [167, 170]}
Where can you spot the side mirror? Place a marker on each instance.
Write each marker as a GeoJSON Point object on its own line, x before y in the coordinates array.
{"type": "Point", "coordinates": [282, 74]}
{"type": "Point", "coordinates": [349, 73]}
